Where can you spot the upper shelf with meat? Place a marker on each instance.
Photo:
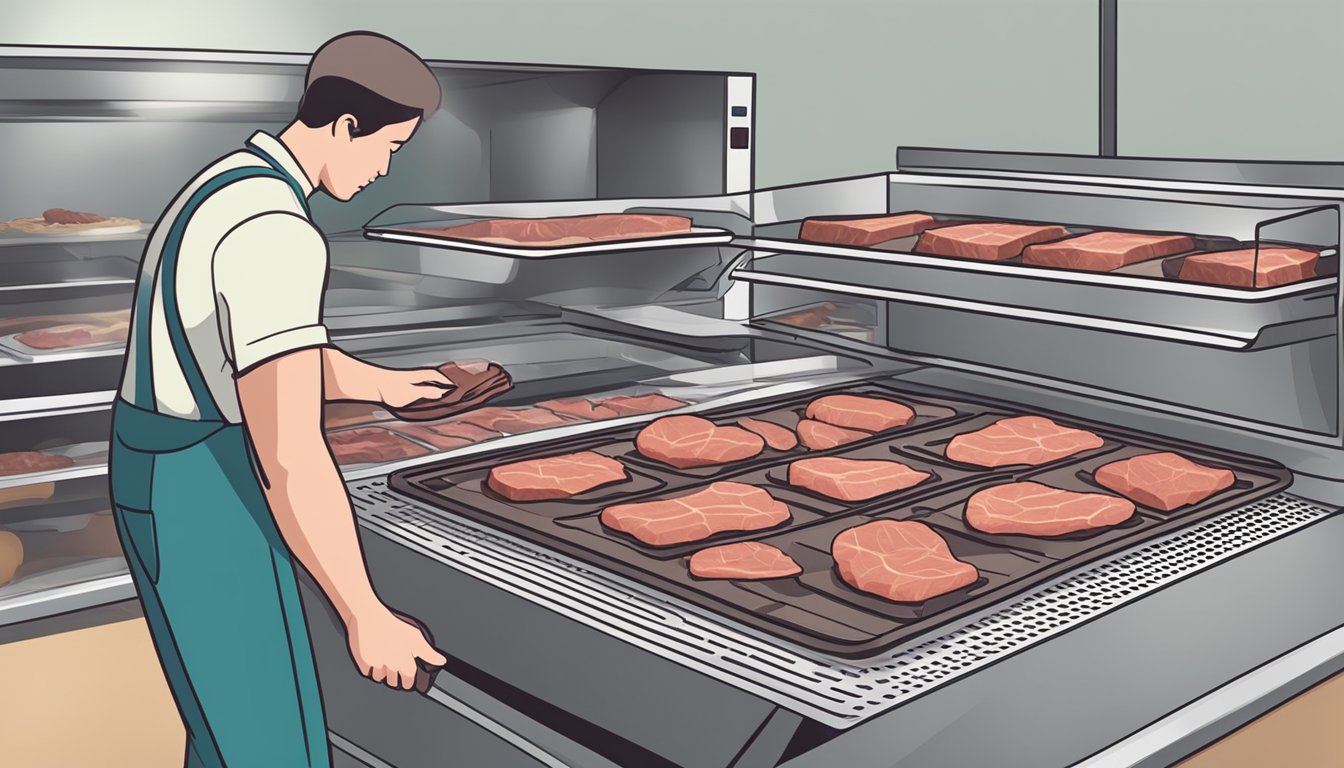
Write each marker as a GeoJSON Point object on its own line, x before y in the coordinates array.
{"type": "Point", "coordinates": [1184, 262]}
{"type": "Point", "coordinates": [1220, 267]}
{"type": "Point", "coordinates": [545, 230]}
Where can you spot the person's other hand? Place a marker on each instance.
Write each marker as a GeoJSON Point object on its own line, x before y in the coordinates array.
{"type": "Point", "coordinates": [384, 648]}
{"type": "Point", "coordinates": [400, 388]}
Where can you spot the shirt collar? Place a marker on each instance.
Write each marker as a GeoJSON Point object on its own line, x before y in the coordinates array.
{"type": "Point", "coordinates": [277, 149]}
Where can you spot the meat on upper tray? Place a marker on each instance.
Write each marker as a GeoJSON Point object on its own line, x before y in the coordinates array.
{"type": "Point", "coordinates": [865, 230]}
{"type": "Point", "coordinates": [555, 477]}
{"type": "Point", "coordinates": [1030, 440]}
{"type": "Point", "coordinates": [1105, 251]}
{"type": "Point", "coordinates": [721, 507]}
{"type": "Point", "coordinates": [562, 230]}
{"type": "Point", "coordinates": [743, 561]}
{"type": "Point", "coordinates": [1242, 268]}
{"type": "Point", "coordinates": [904, 561]}
{"type": "Point", "coordinates": [1033, 509]}
{"type": "Point", "coordinates": [1165, 480]}
{"type": "Point", "coordinates": [986, 241]}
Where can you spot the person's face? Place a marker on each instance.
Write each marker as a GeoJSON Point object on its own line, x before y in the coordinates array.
{"type": "Point", "coordinates": [356, 161]}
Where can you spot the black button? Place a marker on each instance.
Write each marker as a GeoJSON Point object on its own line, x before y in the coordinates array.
{"type": "Point", "coordinates": [739, 138]}
{"type": "Point", "coordinates": [739, 111]}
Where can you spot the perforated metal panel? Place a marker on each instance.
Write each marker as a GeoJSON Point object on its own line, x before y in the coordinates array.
{"type": "Point", "coordinates": [837, 693]}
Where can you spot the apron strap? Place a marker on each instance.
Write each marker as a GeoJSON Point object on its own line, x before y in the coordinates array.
{"type": "Point", "coordinates": [293, 183]}
{"type": "Point", "coordinates": [191, 370]}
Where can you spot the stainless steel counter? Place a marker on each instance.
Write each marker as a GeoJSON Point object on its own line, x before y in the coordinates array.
{"type": "Point", "coordinates": [583, 663]}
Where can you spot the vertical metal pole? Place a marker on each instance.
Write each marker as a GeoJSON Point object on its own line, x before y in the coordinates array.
{"type": "Point", "coordinates": [1106, 47]}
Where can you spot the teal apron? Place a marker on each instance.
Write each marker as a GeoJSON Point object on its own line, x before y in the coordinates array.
{"type": "Point", "coordinates": [214, 575]}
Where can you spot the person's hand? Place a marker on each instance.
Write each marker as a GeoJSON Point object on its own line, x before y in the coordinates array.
{"type": "Point", "coordinates": [400, 388]}
{"type": "Point", "coordinates": [384, 647]}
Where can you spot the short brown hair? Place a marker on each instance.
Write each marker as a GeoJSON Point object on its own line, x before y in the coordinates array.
{"type": "Point", "coordinates": [378, 64]}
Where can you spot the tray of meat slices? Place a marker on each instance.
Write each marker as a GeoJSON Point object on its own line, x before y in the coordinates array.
{"type": "Point", "coordinates": [1183, 258]}
{"type": "Point", "coordinates": [366, 435]}
{"type": "Point", "coordinates": [846, 520]}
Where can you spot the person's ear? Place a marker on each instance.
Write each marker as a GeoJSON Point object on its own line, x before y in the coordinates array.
{"type": "Point", "coordinates": [345, 127]}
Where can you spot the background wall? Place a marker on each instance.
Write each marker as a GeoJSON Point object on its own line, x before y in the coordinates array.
{"type": "Point", "coordinates": [1231, 79]}
{"type": "Point", "coordinates": [841, 83]}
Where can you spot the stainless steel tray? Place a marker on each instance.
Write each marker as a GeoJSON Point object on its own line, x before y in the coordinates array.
{"type": "Point", "coordinates": [696, 236]}
{"type": "Point", "coordinates": [714, 221]}
{"type": "Point", "coordinates": [1207, 315]}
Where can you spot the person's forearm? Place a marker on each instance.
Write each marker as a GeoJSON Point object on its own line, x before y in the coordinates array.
{"type": "Point", "coordinates": [313, 513]}
{"type": "Point", "coordinates": [281, 405]}
{"type": "Point", "coordinates": [348, 378]}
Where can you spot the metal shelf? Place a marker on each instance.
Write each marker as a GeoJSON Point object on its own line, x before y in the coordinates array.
{"type": "Point", "coordinates": [1206, 316]}
{"type": "Point", "coordinates": [696, 236]}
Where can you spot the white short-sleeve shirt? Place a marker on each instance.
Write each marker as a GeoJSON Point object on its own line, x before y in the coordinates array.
{"type": "Point", "coordinates": [251, 274]}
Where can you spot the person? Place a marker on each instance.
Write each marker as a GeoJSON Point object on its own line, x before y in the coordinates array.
{"type": "Point", "coordinates": [220, 473]}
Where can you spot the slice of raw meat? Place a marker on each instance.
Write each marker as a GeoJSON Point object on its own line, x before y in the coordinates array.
{"type": "Point", "coordinates": [991, 241]}
{"type": "Point", "coordinates": [563, 230]}
{"type": "Point", "coordinates": [1032, 509]}
{"type": "Point", "coordinates": [64, 216]}
{"type": "Point", "coordinates": [814, 317]}
{"type": "Point", "coordinates": [867, 230]}
{"type": "Point", "coordinates": [743, 560]}
{"type": "Point", "coordinates": [818, 435]}
{"type": "Point", "coordinates": [432, 437]}
{"type": "Point", "coordinates": [869, 414]}
{"type": "Point", "coordinates": [904, 561]}
{"type": "Point", "coordinates": [853, 479]}
{"type": "Point", "coordinates": [1030, 440]}
{"type": "Point", "coordinates": [1105, 251]}
{"type": "Point", "coordinates": [512, 421]}
{"type": "Point", "coordinates": [723, 506]}
{"type": "Point", "coordinates": [634, 405]}
{"type": "Point", "coordinates": [371, 445]}
{"type": "Point", "coordinates": [775, 436]}
{"type": "Point", "coordinates": [464, 429]}
{"type": "Point", "coordinates": [1276, 266]}
{"type": "Point", "coordinates": [555, 477]}
{"type": "Point", "coordinates": [690, 441]}
{"type": "Point", "coordinates": [27, 462]}
{"type": "Point", "coordinates": [578, 408]}
{"type": "Point", "coordinates": [1164, 481]}
{"type": "Point", "coordinates": [474, 382]}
